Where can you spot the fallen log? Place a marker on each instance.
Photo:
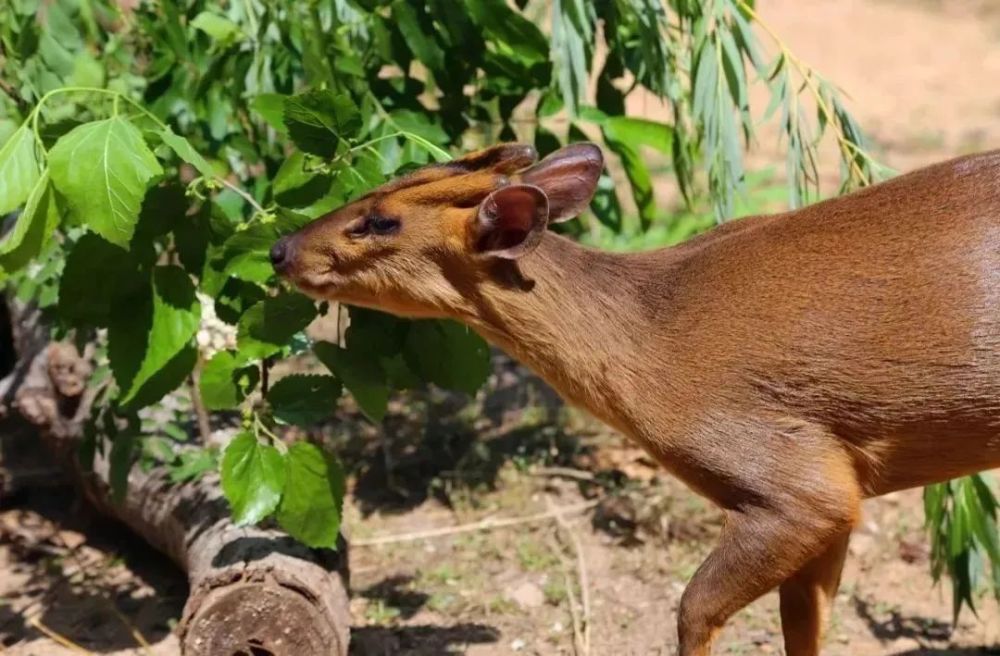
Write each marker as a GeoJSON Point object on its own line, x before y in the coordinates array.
{"type": "Point", "coordinates": [253, 591]}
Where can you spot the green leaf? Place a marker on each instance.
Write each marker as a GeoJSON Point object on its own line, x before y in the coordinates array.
{"type": "Point", "coordinates": [302, 399]}
{"type": "Point", "coordinates": [639, 132]}
{"type": "Point", "coordinates": [87, 71]}
{"type": "Point", "coordinates": [217, 27]}
{"type": "Point", "coordinates": [271, 108]}
{"type": "Point", "coordinates": [253, 475]}
{"type": "Point", "coordinates": [605, 205]}
{"type": "Point", "coordinates": [93, 258]}
{"type": "Point", "coordinates": [157, 449]}
{"type": "Point", "coordinates": [192, 463]}
{"type": "Point", "coordinates": [295, 185]}
{"type": "Point", "coordinates": [192, 236]}
{"type": "Point", "coordinates": [268, 326]}
{"type": "Point", "coordinates": [375, 334]}
{"type": "Point", "coordinates": [361, 374]}
{"type": "Point", "coordinates": [318, 120]}
{"type": "Point", "coordinates": [119, 464]}
{"type": "Point", "coordinates": [423, 45]}
{"type": "Point", "coordinates": [245, 253]}
{"type": "Point", "coordinates": [33, 228]}
{"type": "Point", "coordinates": [310, 508]}
{"type": "Point", "coordinates": [186, 152]}
{"type": "Point", "coordinates": [501, 22]}
{"type": "Point", "coordinates": [447, 354]}
{"type": "Point", "coordinates": [226, 379]}
{"type": "Point", "coordinates": [19, 170]}
{"type": "Point", "coordinates": [168, 378]}
{"type": "Point", "coordinates": [146, 333]}
{"type": "Point", "coordinates": [638, 177]}
{"type": "Point", "coordinates": [103, 168]}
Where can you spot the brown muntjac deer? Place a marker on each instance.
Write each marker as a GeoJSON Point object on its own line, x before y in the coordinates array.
{"type": "Point", "coordinates": [784, 366]}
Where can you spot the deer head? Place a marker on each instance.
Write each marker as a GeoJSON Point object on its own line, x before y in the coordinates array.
{"type": "Point", "coordinates": [417, 245]}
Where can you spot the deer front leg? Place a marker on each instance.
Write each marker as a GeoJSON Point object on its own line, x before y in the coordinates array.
{"type": "Point", "coordinates": [795, 525]}
{"type": "Point", "coordinates": [807, 596]}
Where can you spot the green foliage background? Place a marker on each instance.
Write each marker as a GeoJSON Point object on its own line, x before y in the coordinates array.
{"type": "Point", "coordinates": [153, 151]}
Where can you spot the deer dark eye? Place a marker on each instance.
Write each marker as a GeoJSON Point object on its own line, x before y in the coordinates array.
{"type": "Point", "coordinates": [382, 225]}
{"type": "Point", "coordinates": [374, 224]}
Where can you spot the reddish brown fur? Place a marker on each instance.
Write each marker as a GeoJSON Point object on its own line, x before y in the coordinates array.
{"type": "Point", "coordinates": [784, 366]}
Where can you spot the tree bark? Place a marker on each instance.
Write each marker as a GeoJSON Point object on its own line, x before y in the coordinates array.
{"type": "Point", "coordinates": [254, 591]}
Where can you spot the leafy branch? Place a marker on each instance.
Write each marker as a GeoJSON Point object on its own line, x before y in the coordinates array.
{"type": "Point", "coordinates": [863, 169]}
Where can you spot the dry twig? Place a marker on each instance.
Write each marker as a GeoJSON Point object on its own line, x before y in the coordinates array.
{"type": "Point", "coordinates": [581, 572]}
{"type": "Point", "coordinates": [65, 642]}
{"type": "Point", "coordinates": [579, 646]}
{"type": "Point", "coordinates": [483, 525]}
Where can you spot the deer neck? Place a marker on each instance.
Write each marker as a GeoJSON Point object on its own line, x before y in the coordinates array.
{"type": "Point", "coordinates": [571, 314]}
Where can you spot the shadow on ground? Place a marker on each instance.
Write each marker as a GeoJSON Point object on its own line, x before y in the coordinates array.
{"type": "Point", "coordinates": [420, 640]}
{"type": "Point", "coordinates": [898, 625]}
{"type": "Point", "coordinates": [435, 442]}
{"type": "Point", "coordinates": [83, 594]}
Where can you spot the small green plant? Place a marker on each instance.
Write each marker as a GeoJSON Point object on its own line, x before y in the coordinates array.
{"type": "Point", "coordinates": [961, 518]}
{"type": "Point", "coordinates": [534, 556]}
{"type": "Point", "coordinates": [555, 591]}
{"type": "Point", "coordinates": [380, 613]}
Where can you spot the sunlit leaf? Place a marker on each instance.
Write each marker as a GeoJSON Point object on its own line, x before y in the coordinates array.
{"type": "Point", "coordinates": [310, 508]}
{"type": "Point", "coordinates": [104, 168]}
{"type": "Point", "coordinates": [303, 399]}
{"type": "Point", "coordinates": [253, 476]}
{"type": "Point", "coordinates": [19, 169]}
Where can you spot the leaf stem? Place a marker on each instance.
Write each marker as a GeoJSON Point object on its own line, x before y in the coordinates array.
{"type": "Point", "coordinates": [242, 193]}
{"type": "Point", "coordinates": [33, 117]}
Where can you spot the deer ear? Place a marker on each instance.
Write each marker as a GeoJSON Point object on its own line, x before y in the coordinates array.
{"type": "Point", "coordinates": [569, 179]}
{"type": "Point", "coordinates": [510, 222]}
{"type": "Point", "coordinates": [502, 158]}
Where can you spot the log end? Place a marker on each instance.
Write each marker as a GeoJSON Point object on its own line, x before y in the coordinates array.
{"type": "Point", "coordinates": [264, 618]}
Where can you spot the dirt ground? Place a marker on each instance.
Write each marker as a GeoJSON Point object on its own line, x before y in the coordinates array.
{"type": "Point", "coordinates": [922, 75]}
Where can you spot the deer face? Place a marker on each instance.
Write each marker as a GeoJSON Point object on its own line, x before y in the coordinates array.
{"type": "Point", "coordinates": [416, 245]}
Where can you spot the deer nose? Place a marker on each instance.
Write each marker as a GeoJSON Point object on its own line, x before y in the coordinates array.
{"type": "Point", "coordinates": [280, 255]}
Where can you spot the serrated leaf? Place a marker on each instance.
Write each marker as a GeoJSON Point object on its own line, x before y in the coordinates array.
{"type": "Point", "coordinates": [318, 120]}
{"type": "Point", "coordinates": [269, 325]}
{"type": "Point", "coordinates": [310, 508]}
{"type": "Point", "coordinates": [104, 168]}
{"type": "Point", "coordinates": [361, 374]}
{"type": "Point", "coordinates": [33, 228]}
{"type": "Point", "coordinates": [447, 354]}
{"type": "Point", "coordinates": [253, 476]}
{"type": "Point", "coordinates": [183, 148]}
{"type": "Point", "coordinates": [302, 399]}
{"type": "Point", "coordinates": [148, 330]}
{"type": "Point", "coordinates": [226, 379]}
{"type": "Point", "coordinates": [19, 169]}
